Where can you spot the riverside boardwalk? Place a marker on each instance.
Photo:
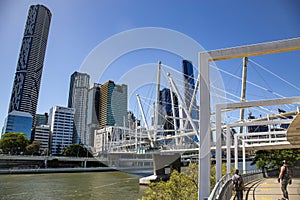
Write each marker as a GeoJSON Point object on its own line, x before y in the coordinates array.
{"type": "Point", "coordinates": [270, 189]}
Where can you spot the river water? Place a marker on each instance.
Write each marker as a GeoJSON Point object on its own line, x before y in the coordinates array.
{"type": "Point", "coordinates": [75, 186]}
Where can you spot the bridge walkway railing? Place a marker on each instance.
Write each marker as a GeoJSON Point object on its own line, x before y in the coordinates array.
{"type": "Point", "coordinates": [223, 188]}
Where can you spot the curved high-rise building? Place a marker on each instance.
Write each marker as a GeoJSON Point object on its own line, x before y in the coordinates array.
{"type": "Point", "coordinates": [25, 91]}
{"type": "Point", "coordinates": [113, 104]}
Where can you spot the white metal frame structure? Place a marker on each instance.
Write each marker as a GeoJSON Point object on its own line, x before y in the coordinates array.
{"type": "Point", "coordinates": [267, 141]}
{"type": "Point", "coordinates": [204, 59]}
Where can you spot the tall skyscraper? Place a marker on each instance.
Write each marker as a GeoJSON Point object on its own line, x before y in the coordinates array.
{"type": "Point", "coordinates": [78, 99]}
{"type": "Point", "coordinates": [113, 104]}
{"type": "Point", "coordinates": [61, 121]}
{"type": "Point", "coordinates": [189, 81]}
{"type": "Point", "coordinates": [25, 91]}
{"type": "Point", "coordinates": [166, 110]}
{"type": "Point", "coordinates": [93, 112]}
{"type": "Point", "coordinates": [189, 86]}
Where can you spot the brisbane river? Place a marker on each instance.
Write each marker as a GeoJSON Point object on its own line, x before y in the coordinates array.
{"type": "Point", "coordinates": [112, 185]}
{"type": "Point", "coordinates": [64, 186]}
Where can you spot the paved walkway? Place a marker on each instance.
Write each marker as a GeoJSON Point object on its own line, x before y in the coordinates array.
{"type": "Point", "coordinates": [270, 189]}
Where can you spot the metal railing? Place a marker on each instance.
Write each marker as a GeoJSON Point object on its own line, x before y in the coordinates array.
{"type": "Point", "coordinates": [223, 188]}
{"type": "Point", "coordinates": [219, 187]}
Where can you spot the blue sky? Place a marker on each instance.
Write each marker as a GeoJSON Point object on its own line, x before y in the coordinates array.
{"type": "Point", "coordinates": [78, 26]}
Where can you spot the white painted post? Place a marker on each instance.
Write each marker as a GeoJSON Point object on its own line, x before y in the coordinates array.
{"type": "Point", "coordinates": [236, 157]}
{"type": "Point", "coordinates": [218, 143]}
{"type": "Point", "coordinates": [136, 137]}
{"type": "Point", "coordinates": [174, 115]}
{"type": "Point", "coordinates": [244, 155]}
{"type": "Point", "coordinates": [228, 152]}
{"type": "Point", "coordinates": [204, 149]}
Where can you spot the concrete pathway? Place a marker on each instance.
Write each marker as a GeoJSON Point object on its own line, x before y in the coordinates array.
{"type": "Point", "coordinates": [270, 189]}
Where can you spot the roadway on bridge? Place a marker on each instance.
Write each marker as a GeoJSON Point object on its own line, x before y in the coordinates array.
{"type": "Point", "coordinates": [270, 189]}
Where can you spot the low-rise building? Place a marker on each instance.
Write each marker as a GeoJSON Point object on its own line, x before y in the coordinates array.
{"type": "Point", "coordinates": [42, 134]}
{"type": "Point", "coordinates": [20, 122]}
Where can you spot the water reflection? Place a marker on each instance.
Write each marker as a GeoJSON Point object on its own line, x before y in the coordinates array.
{"type": "Point", "coordinates": [96, 185]}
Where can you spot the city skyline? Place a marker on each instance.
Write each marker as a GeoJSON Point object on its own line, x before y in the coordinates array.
{"type": "Point", "coordinates": [277, 21]}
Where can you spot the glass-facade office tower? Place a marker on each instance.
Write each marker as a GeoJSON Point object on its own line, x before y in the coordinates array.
{"type": "Point", "coordinates": [25, 91]}
{"type": "Point", "coordinates": [93, 112]}
{"type": "Point", "coordinates": [61, 120]}
{"type": "Point", "coordinates": [78, 99]}
{"type": "Point", "coordinates": [189, 81]}
{"type": "Point", "coordinates": [41, 119]}
{"type": "Point", "coordinates": [189, 87]}
{"type": "Point", "coordinates": [166, 110]}
{"type": "Point", "coordinates": [19, 122]}
{"type": "Point", "coordinates": [113, 105]}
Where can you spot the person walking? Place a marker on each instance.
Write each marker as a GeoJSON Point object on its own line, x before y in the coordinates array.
{"type": "Point", "coordinates": [238, 185]}
{"type": "Point", "coordinates": [285, 178]}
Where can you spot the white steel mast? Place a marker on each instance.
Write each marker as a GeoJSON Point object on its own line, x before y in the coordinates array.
{"type": "Point", "coordinates": [157, 102]}
{"type": "Point", "coordinates": [243, 91]}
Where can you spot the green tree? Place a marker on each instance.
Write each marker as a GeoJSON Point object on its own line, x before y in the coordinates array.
{"type": "Point", "coordinates": [46, 151]}
{"type": "Point", "coordinates": [13, 143]}
{"type": "Point", "coordinates": [273, 158]}
{"type": "Point", "coordinates": [33, 148]}
{"type": "Point", "coordinates": [76, 150]}
{"type": "Point", "coordinates": [181, 186]}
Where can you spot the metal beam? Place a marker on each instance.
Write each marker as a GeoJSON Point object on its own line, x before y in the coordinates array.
{"type": "Point", "coordinates": [255, 49]}
{"type": "Point", "coordinates": [270, 102]}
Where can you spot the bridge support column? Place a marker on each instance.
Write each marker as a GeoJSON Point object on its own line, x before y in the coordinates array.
{"type": "Point", "coordinates": [162, 161]}
{"type": "Point", "coordinates": [159, 163]}
{"type": "Point", "coordinates": [84, 163]}
{"type": "Point", "coordinates": [176, 165]}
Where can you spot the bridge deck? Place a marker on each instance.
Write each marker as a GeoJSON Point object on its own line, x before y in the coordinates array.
{"type": "Point", "coordinates": [270, 189]}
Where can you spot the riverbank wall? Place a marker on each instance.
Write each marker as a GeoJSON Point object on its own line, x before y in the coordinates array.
{"type": "Point", "coordinates": [54, 170]}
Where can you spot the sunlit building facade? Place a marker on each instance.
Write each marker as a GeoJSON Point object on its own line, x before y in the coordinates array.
{"type": "Point", "coordinates": [113, 105]}
{"type": "Point", "coordinates": [42, 134]}
{"type": "Point", "coordinates": [61, 120]}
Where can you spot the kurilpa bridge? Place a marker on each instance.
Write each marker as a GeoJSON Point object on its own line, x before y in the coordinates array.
{"type": "Point", "coordinates": [275, 131]}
